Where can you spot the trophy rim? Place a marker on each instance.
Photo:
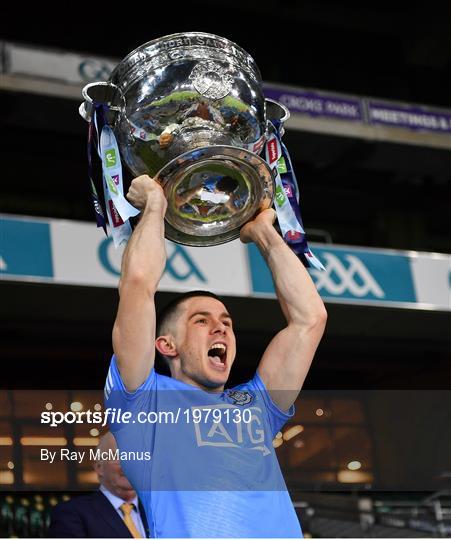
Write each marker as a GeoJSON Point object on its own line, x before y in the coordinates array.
{"type": "Point", "coordinates": [126, 65]}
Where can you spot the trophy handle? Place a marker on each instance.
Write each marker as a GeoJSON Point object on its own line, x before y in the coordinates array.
{"type": "Point", "coordinates": [101, 92]}
{"type": "Point", "coordinates": [276, 111]}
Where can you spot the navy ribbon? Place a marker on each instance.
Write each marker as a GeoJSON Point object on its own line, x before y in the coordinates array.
{"type": "Point", "coordinates": [296, 240]}
{"type": "Point", "coordinates": [93, 140]}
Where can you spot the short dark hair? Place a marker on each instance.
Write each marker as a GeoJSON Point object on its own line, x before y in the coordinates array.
{"type": "Point", "coordinates": [170, 309]}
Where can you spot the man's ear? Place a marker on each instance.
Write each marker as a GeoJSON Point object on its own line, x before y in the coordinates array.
{"type": "Point", "coordinates": [165, 346]}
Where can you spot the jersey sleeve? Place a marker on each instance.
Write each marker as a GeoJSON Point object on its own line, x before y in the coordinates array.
{"type": "Point", "coordinates": [277, 418]}
{"type": "Point", "coordinates": [119, 398]}
{"type": "Point", "coordinates": [123, 412]}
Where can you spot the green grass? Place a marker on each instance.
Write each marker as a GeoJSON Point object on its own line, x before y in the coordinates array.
{"type": "Point", "coordinates": [227, 101]}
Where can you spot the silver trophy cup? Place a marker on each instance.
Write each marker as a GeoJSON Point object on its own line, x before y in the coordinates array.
{"type": "Point", "coordinates": [188, 110]}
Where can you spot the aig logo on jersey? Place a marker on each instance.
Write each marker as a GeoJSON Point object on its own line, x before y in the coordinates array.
{"type": "Point", "coordinates": [234, 430]}
{"type": "Point", "coordinates": [240, 397]}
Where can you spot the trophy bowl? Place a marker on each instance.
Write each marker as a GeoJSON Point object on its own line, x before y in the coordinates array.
{"type": "Point", "coordinates": [188, 109]}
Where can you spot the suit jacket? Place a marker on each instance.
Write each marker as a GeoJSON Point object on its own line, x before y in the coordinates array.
{"type": "Point", "coordinates": [90, 516]}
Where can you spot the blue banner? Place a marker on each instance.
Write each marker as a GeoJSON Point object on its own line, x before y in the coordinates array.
{"type": "Point", "coordinates": [70, 252]}
{"type": "Point", "coordinates": [320, 104]}
{"type": "Point", "coordinates": [351, 274]}
{"type": "Point", "coordinates": [25, 248]}
{"type": "Point", "coordinates": [317, 104]}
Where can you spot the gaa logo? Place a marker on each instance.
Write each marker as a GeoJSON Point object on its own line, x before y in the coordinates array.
{"type": "Point", "coordinates": [93, 70]}
{"type": "Point", "coordinates": [350, 277]}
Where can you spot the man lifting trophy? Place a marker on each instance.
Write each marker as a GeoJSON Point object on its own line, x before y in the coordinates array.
{"type": "Point", "coordinates": [189, 110]}
{"type": "Point", "coordinates": [186, 114]}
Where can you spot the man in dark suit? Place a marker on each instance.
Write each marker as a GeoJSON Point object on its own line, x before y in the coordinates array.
{"type": "Point", "coordinates": [111, 512]}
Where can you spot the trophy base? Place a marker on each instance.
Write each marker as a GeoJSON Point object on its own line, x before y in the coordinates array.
{"type": "Point", "coordinates": [212, 192]}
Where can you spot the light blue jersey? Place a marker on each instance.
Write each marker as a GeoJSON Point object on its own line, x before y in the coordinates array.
{"type": "Point", "coordinates": [203, 463]}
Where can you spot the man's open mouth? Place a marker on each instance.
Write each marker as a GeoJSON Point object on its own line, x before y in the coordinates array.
{"type": "Point", "coordinates": [218, 355]}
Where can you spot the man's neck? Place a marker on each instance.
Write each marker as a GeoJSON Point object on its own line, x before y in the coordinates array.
{"type": "Point", "coordinates": [127, 495]}
{"type": "Point", "coordinates": [192, 382]}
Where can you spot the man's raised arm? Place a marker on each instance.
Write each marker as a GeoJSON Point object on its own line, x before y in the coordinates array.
{"type": "Point", "coordinates": [143, 264]}
{"type": "Point", "coordinates": [287, 359]}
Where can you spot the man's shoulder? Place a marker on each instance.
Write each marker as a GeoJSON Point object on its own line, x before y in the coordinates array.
{"type": "Point", "coordinates": [165, 381]}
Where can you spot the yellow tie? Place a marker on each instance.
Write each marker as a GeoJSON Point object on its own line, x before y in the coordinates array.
{"type": "Point", "coordinates": [126, 509]}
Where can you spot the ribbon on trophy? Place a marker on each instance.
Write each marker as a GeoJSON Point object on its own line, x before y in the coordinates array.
{"type": "Point", "coordinates": [118, 209]}
{"type": "Point", "coordinates": [99, 214]}
{"type": "Point", "coordinates": [286, 200]}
